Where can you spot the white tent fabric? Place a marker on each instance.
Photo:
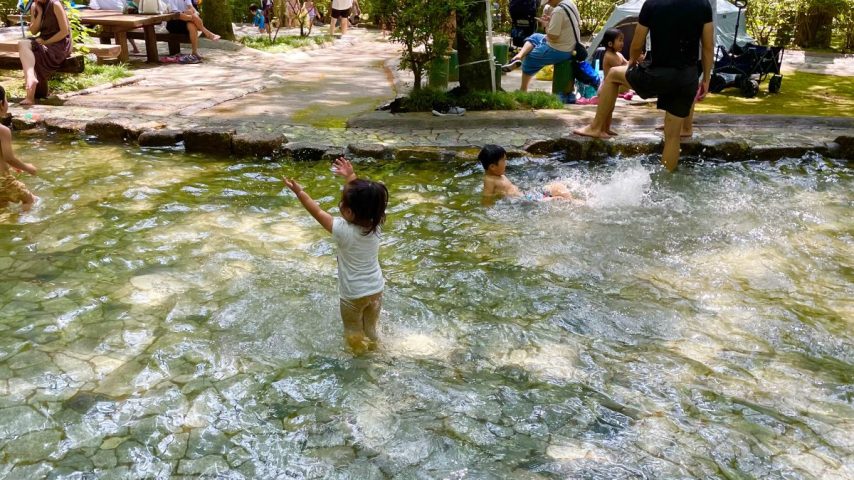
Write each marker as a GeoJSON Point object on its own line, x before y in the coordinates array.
{"type": "Point", "coordinates": [725, 17]}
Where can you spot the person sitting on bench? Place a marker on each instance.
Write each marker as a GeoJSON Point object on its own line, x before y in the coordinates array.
{"type": "Point", "coordinates": [190, 23]}
{"type": "Point", "coordinates": [44, 54]}
{"type": "Point", "coordinates": [550, 49]}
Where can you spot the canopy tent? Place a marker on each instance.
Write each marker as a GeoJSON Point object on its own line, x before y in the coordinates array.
{"type": "Point", "coordinates": [625, 18]}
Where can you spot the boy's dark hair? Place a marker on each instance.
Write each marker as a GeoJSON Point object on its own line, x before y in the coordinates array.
{"type": "Point", "coordinates": [611, 35]}
{"type": "Point", "coordinates": [253, 8]}
{"type": "Point", "coordinates": [368, 201]}
{"type": "Point", "coordinates": [490, 155]}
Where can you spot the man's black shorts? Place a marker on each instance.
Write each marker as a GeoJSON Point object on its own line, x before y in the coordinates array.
{"type": "Point", "coordinates": [341, 13]}
{"type": "Point", "coordinates": [674, 87]}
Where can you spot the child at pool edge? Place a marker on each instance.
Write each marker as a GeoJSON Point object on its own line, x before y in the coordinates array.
{"type": "Point", "coordinates": [11, 190]}
{"type": "Point", "coordinates": [357, 234]}
{"type": "Point", "coordinates": [493, 158]}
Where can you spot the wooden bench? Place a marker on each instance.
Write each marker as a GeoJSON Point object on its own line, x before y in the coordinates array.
{"type": "Point", "coordinates": [74, 64]}
{"type": "Point", "coordinates": [174, 40]}
{"type": "Point", "coordinates": [100, 51]}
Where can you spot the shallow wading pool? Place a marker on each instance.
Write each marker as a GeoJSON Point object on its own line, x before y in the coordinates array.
{"type": "Point", "coordinates": [165, 315]}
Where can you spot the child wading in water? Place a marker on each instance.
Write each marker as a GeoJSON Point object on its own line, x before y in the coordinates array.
{"type": "Point", "coordinates": [357, 234]}
{"type": "Point", "coordinates": [11, 190]}
{"type": "Point", "coordinates": [496, 184]}
{"type": "Point", "coordinates": [613, 40]}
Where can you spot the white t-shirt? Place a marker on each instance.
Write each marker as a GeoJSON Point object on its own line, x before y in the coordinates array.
{"type": "Point", "coordinates": [178, 5]}
{"type": "Point", "coordinates": [342, 4]}
{"type": "Point", "coordinates": [117, 5]}
{"type": "Point", "coordinates": [359, 273]}
{"type": "Point", "coordinates": [561, 26]}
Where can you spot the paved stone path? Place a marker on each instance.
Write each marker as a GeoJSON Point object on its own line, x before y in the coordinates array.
{"type": "Point", "coordinates": [311, 96]}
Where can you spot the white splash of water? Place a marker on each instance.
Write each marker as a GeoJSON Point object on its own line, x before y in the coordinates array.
{"type": "Point", "coordinates": [626, 187]}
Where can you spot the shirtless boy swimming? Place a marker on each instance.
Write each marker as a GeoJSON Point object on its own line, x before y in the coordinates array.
{"type": "Point", "coordinates": [11, 190]}
{"type": "Point", "coordinates": [493, 158]}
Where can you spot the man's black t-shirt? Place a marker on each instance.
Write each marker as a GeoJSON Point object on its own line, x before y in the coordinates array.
{"type": "Point", "coordinates": [675, 27]}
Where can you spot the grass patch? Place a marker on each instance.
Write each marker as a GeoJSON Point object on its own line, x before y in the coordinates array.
{"type": "Point", "coordinates": [284, 43]}
{"type": "Point", "coordinates": [66, 82]}
{"type": "Point", "coordinates": [423, 100]}
{"type": "Point", "coordinates": [802, 94]}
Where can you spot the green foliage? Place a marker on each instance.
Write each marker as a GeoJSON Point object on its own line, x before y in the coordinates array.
{"type": "Point", "coordinates": [421, 26]}
{"type": "Point", "coordinates": [63, 83]}
{"type": "Point", "coordinates": [423, 100]}
{"type": "Point", "coordinates": [79, 32]}
{"type": "Point", "coordinates": [802, 94]}
{"type": "Point", "coordinates": [283, 43]}
{"type": "Point", "coordinates": [845, 26]}
{"type": "Point", "coordinates": [594, 14]}
{"type": "Point", "coordinates": [772, 22]}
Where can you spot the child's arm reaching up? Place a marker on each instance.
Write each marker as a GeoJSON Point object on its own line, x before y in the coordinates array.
{"type": "Point", "coordinates": [342, 167]}
{"type": "Point", "coordinates": [322, 217]}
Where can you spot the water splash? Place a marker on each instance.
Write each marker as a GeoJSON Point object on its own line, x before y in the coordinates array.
{"type": "Point", "coordinates": [625, 187]}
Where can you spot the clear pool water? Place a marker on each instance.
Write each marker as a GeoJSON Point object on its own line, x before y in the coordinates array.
{"type": "Point", "coordinates": [166, 315]}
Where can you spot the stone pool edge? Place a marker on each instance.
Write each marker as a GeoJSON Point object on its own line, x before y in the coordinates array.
{"type": "Point", "coordinates": [228, 140]}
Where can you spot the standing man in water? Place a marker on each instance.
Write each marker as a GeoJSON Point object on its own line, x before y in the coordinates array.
{"type": "Point", "coordinates": [677, 28]}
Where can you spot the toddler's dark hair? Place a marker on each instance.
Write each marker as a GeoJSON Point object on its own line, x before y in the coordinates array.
{"type": "Point", "coordinates": [253, 7]}
{"type": "Point", "coordinates": [368, 201]}
{"type": "Point", "coordinates": [2, 94]}
{"type": "Point", "coordinates": [491, 154]}
{"type": "Point", "coordinates": [611, 35]}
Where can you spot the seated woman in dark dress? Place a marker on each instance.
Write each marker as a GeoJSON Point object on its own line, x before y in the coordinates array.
{"type": "Point", "coordinates": [44, 54]}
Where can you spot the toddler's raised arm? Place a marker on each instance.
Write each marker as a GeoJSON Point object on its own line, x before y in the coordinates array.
{"type": "Point", "coordinates": [323, 217]}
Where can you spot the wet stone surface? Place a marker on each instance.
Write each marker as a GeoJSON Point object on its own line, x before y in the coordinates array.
{"type": "Point", "coordinates": [166, 315]}
{"type": "Point", "coordinates": [160, 138]}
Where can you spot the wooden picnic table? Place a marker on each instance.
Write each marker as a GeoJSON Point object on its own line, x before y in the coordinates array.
{"type": "Point", "coordinates": [119, 24]}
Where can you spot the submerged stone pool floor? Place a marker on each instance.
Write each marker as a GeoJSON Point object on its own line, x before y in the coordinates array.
{"type": "Point", "coordinates": [166, 315]}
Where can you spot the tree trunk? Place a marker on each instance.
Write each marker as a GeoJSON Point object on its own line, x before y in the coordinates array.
{"type": "Point", "coordinates": [814, 27]}
{"type": "Point", "coordinates": [471, 47]}
{"type": "Point", "coordinates": [416, 72]}
{"type": "Point", "coordinates": [217, 17]}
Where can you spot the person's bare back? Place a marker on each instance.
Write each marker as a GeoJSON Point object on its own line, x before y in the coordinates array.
{"type": "Point", "coordinates": [499, 186]}
{"type": "Point", "coordinates": [495, 184]}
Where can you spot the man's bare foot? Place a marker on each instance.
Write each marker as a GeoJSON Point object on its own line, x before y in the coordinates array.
{"type": "Point", "coordinates": [214, 37]}
{"type": "Point", "coordinates": [27, 102]}
{"type": "Point", "coordinates": [613, 133]}
{"type": "Point", "coordinates": [589, 132]}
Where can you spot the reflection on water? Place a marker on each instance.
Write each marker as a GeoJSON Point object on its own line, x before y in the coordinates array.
{"type": "Point", "coordinates": [166, 315]}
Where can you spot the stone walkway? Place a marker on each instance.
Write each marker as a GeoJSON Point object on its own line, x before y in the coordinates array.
{"type": "Point", "coordinates": [321, 100]}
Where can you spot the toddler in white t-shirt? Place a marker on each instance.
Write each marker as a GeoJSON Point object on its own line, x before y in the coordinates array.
{"type": "Point", "coordinates": [357, 234]}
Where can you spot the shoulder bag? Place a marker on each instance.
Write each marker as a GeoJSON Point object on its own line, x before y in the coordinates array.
{"type": "Point", "coordinates": [579, 53]}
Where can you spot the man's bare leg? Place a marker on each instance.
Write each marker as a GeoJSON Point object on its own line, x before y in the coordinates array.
{"type": "Point", "coordinates": [687, 124]}
{"type": "Point", "coordinates": [194, 38]}
{"type": "Point", "coordinates": [605, 109]}
{"type": "Point", "coordinates": [526, 80]}
{"type": "Point", "coordinates": [527, 48]}
{"type": "Point", "coordinates": [200, 26]}
{"type": "Point", "coordinates": [672, 128]}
